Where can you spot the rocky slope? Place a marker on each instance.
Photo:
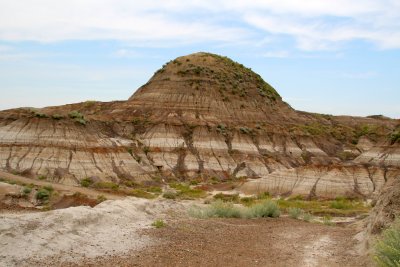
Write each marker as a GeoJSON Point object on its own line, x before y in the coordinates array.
{"type": "Point", "coordinates": [203, 117]}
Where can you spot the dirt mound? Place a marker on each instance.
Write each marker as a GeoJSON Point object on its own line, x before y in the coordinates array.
{"type": "Point", "coordinates": [200, 117]}
{"type": "Point", "coordinates": [387, 207]}
{"type": "Point", "coordinates": [69, 235]}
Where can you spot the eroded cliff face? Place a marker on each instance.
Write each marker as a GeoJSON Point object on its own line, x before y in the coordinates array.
{"type": "Point", "coordinates": [203, 117]}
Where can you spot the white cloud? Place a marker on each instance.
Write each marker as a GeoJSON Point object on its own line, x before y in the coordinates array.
{"type": "Point", "coordinates": [276, 54]}
{"type": "Point", "coordinates": [314, 24]}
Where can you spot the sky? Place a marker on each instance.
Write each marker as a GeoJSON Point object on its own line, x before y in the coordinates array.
{"type": "Point", "coordinates": [332, 57]}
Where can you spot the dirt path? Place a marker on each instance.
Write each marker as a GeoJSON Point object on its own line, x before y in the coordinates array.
{"type": "Point", "coordinates": [59, 187]}
{"type": "Point", "coordinates": [238, 242]}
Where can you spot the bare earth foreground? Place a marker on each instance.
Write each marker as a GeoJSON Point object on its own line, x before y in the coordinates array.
{"type": "Point", "coordinates": [239, 242]}
{"type": "Point", "coordinates": [119, 233]}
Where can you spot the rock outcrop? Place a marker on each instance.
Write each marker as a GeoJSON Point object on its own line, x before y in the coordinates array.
{"type": "Point", "coordinates": [201, 117]}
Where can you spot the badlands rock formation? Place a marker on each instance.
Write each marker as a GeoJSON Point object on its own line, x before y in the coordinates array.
{"type": "Point", "coordinates": [203, 116]}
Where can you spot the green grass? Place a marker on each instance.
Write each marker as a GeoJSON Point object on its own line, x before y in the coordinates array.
{"type": "Point", "coordinates": [26, 190]}
{"type": "Point", "coordinates": [327, 220]}
{"type": "Point", "coordinates": [337, 207]}
{"type": "Point", "coordinates": [101, 198]}
{"type": "Point", "coordinates": [86, 182]}
{"type": "Point", "coordinates": [184, 191]}
{"type": "Point", "coordinates": [387, 249]}
{"type": "Point", "coordinates": [307, 217]}
{"type": "Point", "coordinates": [227, 197]}
{"type": "Point", "coordinates": [106, 185]}
{"type": "Point", "coordinates": [295, 212]}
{"type": "Point", "coordinates": [43, 194]}
{"type": "Point", "coordinates": [169, 195]}
{"type": "Point", "coordinates": [140, 193]}
{"type": "Point", "coordinates": [221, 209]}
{"type": "Point", "coordinates": [158, 224]}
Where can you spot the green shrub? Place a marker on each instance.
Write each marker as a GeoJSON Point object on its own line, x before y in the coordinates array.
{"type": "Point", "coordinates": [295, 212]}
{"type": "Point", "coordinates": [75, 115]}
{"type": "Point", "coordinates": [307, 217]}
{"type": "Point", "coordinates": [267, 208]}
{"type": "Point", "coordinates": [227, 197]}
{"type": "Point", "coordinates": [245, 130]}
{"type": "Point", "coordinates": [217, 209]}
{"type": "Point", "coordinates": [220, 209]}
{"type": "Point", "coordinates": [101, 198]}
{"type": "Point", "coordinates": [41, 115]}
{"type": "Point", "coordinates": [142, 194]}
{"type": "Point", "coordinates": [42, 177]}
{"type": "Point", "coordinates": [26, 190]}
{"type": "Point", "coordinates": [86, 182]}
{"type": "Point", "coordinates": [395, 137]}
{"type": "Point", "coordinates": [42, 194]}
{"type": "Point", "coordinates": [247, 201]}
{"type": "Point", "coordinates": [57, 116]}
{"type": "Point", "coordinates": [169, 195]}
{"type": "Point", "coordinates": [387, 249]}
{"type": "Point", "coordinates": [327, 220]}
{"type": "Point", "coordinates": [158, 224]}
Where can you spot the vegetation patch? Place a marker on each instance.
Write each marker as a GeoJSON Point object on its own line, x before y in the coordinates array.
{"type": "Point", "coordinates": [142, 194]}
{"type": "Point", "coordinates": [86, 182]}
{"type": "Point", "coordinates": [43, 194]}
{"type": "Point", "coordinates": [184, 191]}
{"type": "Point", "coordinates": [295, 212]}
{"type": "Point", "coordinates": [227, 197]}
{"type": "Point", "coordinates": [220, 209]}
{"type": "Point", "coordinates": [169, 195]}
{"type": "Point", "coordinates": [338, 207]}
{"type": "Point", "coordinates": [57, 116]}
{"type": "Point", "coordinates": [387, 249]}
{"type": "Point", "coordinates": [106, 185]}
{"type": "Point", "coordinates": [395, 137]}
{"type": "Point", "coordinates": [158, 224]}
{"type": "Point", "coordinates": [101, 198]}
{"type": "Point", "coordinates": [77, 116]}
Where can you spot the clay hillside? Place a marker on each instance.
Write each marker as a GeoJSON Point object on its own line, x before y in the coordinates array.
{"type": "Point", "coordinates": [203, 117]}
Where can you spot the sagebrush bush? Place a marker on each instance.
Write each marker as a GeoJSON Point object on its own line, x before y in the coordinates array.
{"type": "Point", "coordinates": [217, 209]}
{"type": "Point", "coordinates": [387, 249]}
{"type": "Point", "coordinates": [220, 209]}
{"type": "Point", "coordinates": [267, 208]}
{"type": "Point", "coordinates": [295, 212]}
{"type": "Point", "coordinates": [307, 217]}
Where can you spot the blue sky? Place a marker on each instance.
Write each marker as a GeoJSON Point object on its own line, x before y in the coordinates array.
{"type": "Point", "coordinates": [335, 57]}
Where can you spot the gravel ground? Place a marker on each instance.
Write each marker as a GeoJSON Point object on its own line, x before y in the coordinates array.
{"type": "Point", "coordinates": [244, 242]}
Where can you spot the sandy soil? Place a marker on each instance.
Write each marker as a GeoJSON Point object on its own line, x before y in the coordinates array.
{"type": "Point", "coordinates": [238, 242]}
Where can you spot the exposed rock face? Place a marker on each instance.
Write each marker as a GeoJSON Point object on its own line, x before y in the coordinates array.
{"type": "Point", "coordinates": [202, 116]}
